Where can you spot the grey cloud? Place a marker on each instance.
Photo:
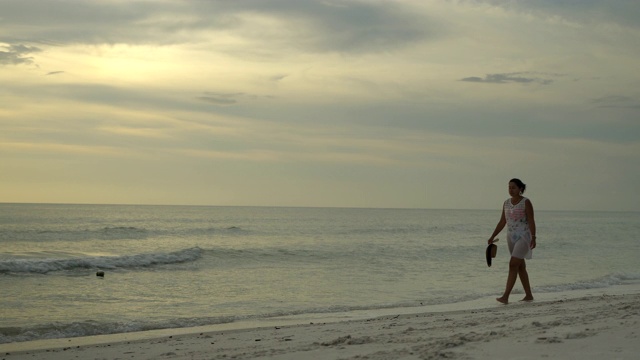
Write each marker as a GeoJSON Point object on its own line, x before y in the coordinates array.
{"type": "Point", "coordinates": [105, 95]}
{"type": "Point", "coordinates": [314, 26]}
{"type": "Point", "coordinates": [55, 73]}
{"type": "Point", "coordinates": [352, 26]}
{"type": "Point", "coordinates": [506, 78]}
{"type": "Point", "coordinates": [218, 100]}
{"type": "Point", "coordinates": [17, 54]}
{"type": "Point", "coordinates": [616, 101]}
{"type": "Point", "coordinates": [76, 21]}
{"type": "Point", "coordinates": [277, 78]}
{"type": "Point", "coordinates": [622, 12]}
{"type": "Point", "coordinates": [226, 98]}
{"type": "Point", "coordinates": [123, 97]}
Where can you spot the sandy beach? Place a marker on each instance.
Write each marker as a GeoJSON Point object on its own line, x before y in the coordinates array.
{"type": "Point", "coordinates": [592, 327]}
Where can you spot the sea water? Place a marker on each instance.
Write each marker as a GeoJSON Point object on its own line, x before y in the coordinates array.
{"type": "Point", "coordinates": [182, 266]}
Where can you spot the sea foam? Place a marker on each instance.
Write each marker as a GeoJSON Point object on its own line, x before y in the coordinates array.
{"type": "Point", "coordinates": [43, 266]}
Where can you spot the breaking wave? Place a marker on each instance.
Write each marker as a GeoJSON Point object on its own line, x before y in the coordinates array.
{"type": "Point", "coordinates": [43, 266]}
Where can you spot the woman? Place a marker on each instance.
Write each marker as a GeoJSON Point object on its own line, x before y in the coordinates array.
{"type": "Point", "coordinates": [517, 214]}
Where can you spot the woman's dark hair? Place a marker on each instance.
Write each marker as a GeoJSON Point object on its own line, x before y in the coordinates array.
{"type": "Point", "coordinates": [522, 186]}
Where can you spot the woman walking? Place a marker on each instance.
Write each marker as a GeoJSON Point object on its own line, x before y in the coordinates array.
{"type": "Point", "coordinates": [517, 215]}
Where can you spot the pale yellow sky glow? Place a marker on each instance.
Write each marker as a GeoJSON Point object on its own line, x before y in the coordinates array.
{"type": "Point", "coordinates": [346, 103]}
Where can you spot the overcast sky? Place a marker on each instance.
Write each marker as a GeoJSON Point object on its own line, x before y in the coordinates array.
{"type": "Point", "coordinates": [410, 103]}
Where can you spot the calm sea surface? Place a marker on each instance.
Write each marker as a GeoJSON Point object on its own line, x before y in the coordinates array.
{"type": "Point", "coordinates": [180, 266]}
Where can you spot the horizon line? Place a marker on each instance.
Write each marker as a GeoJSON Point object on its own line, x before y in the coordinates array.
{"type": "Point", "coordinates": [296, 206]}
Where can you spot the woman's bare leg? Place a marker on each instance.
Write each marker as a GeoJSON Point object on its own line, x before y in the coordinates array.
{"type": "Point", "coordinates": [514, 269]}
{"type": "Point", "coordinates": [524, 278]}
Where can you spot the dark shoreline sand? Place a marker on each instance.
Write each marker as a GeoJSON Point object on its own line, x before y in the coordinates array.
{"type": "Point", "coordinates": [598, 326]}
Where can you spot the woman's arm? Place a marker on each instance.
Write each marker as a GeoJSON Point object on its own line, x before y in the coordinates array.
{"type": "Point", "coordinates": [532, 222]}
{"type": "Point", "coordinates": [499, 227]}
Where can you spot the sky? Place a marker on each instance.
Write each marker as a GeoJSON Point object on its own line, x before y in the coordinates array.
{"type": "Point", "coordinates": [327, 103]}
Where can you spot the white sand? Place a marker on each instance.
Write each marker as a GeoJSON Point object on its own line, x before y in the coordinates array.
{"type": "Point", "coordinates": [592, 327]}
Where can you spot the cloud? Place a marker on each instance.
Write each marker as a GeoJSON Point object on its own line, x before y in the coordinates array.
{"type": "Point", "coordinates": [227, 98]}
{"type": "Point", "coordinates": [616, 101]}
{"type": "Point", "coordinates": [506, 78]}
{"type": "Point", "coordinates": [316, 26]}
{"type": "Point", "coordinates": [354, 26]}
{"type": "Point", "coordinates": [622, 12]}
{"type": "Point", "coordinates": [277, 78]}
{"type": "Point", "coordinates": [339, 88]}
{"type": "Point", "coordinates": [222, 98]}
{"type": "Point", "coordinates": [15, 54]}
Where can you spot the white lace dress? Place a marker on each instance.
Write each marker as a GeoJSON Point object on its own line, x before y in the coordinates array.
{"type": "Point", "coordinates": [518, 233]}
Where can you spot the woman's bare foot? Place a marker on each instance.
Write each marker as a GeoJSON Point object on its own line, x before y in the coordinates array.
{"type": "Point", "coordinates": [503, 300]}
{"type": "Point", "coordinates": [527, 298]}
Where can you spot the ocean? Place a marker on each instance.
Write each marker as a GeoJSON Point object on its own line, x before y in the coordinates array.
{"type": "Point", "coordinates": [183, 266]}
